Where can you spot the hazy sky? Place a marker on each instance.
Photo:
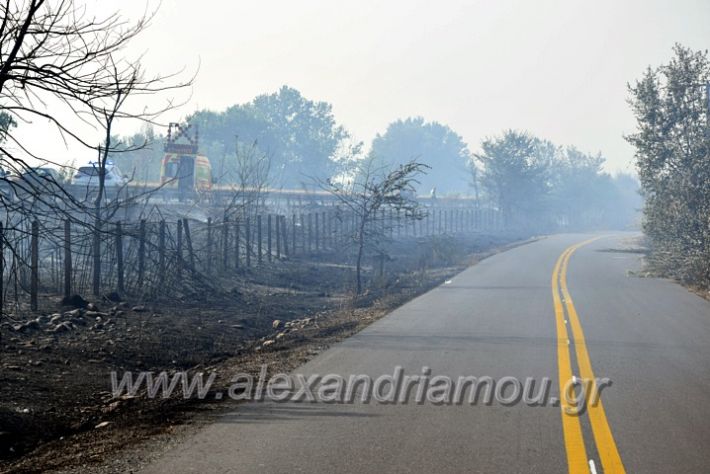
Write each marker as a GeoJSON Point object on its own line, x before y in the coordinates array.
{"type": "Point", "coordinates": [556, 68]}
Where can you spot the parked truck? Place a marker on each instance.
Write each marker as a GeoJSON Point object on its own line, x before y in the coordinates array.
{"type": "Point", "coordinates": [183, 168]}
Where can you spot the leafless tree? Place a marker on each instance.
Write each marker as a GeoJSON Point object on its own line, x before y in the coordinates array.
{"type": "Point", "coordinates": [59, 60]}
{"type": "Point", "coordinates": [251, 171]}
{"type": "Point", "coordinates": [372, 190]}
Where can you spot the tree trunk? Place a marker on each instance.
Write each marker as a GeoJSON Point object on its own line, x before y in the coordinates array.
{"type": "Point", "coordinates": [96, 251]}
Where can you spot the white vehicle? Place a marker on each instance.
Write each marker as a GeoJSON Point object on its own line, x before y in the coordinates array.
{"type": "Point", "coordinates": [89, 176]}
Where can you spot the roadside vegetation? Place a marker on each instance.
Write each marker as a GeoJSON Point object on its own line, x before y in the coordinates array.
{"type": "Point", "coordinates": [672, 107]}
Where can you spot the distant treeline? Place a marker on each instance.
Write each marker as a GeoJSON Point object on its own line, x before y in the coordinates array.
{"type": "Point", "coordinates": [672, 143]}
{"type": "Point", "coordinates": [530, 179]}
{"type": "Point", "coordinates": [543, 186]}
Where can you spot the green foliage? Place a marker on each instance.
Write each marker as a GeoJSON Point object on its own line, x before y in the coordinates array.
{"type": "Point", "coordinates": [300, 136]}
{"type": "Point", "coordinates": [515, 174]}
{"type": "Point", "coordinates": [540, 185]}
{"type": "Point", "coordinates": [672, 142]}
{"type": "Point", "coordinates": [432, 144]}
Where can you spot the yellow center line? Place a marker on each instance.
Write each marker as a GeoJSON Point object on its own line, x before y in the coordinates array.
{"type": "Point", "coordinates": [571, 427]}
{"type": "Point", "coordinates": [606, 446]}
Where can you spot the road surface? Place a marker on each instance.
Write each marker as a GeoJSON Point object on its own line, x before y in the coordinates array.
{"type": "Point", "coordinates": [511, 315]}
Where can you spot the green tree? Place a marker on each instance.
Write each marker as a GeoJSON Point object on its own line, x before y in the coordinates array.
{"type": "Point", "coordinates": [301, 136]}
{"type": "Point", "coordinates": [434, 145]}
{"type": "Point", "coordinates": [579, 189]}
{"type": "Point", "coordinates": [515, 175]}
{"type": "Point", "coordinates": [672, 142]}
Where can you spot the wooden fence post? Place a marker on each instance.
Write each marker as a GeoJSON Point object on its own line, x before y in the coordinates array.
{"type": "Point", "coordinates": [225, 242]}
{"type": "Point", "coordinates": [34, 266]}
{"type": "Point", "coordinates": [268, 237]}
{"type": "Point", "coordinates": [259, 242]}
{"type": "Point", "coordinates": [179, 250]}
{"type": "Point", "coordinates": [310, 230]}
{"type": "Point", "coordinates": [141, 254]}
{"type": "Point", "coordinates": [293, 234]}
{"type": "Point", "coordinates": [119, 257]}
{"type": "Point", "coordinates": [320, 231]}
{"type": "Point", "coordinates": [340, 232]}
{"type": "Point", "coordinates": [96, 280]}
{"type": "Point", "coordinates": [317, 236]}
{"type": "Point", "coordinates": [237, 238]}
{"type": "Point", "coordinates": [161, 250]}
{"type": "Point", "coordinates": [190, 249]}
{"type": "Point", "coordinates": [67, 258]}
{"type": "Point", "coordinates": [209, 246]}
{"type": "Point", "coordinates": [247, 238]}
{"type": "Point", "coordinates": [284, 236]}
{"type": "Point", "coordinates": [324, 236]}
{"type": "Point", "coordinates": [303, 234]}
{"type": "Point", "coordinates": [330, 242]}
{"type": "Point", "coordinates": [278, 236]}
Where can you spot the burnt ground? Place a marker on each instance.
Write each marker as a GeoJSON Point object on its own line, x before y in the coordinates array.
{"type": "Point", "coordinates": [56, 406]}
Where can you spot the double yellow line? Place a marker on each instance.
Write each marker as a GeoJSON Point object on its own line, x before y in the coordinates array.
{"type": "Point", "coordinates": [577, 460]}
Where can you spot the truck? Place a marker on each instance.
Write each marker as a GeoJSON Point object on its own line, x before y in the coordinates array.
{"type": "Point", "coordinates": [183, 168]}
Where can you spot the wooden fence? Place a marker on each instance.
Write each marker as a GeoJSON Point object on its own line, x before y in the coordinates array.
{"type": "Point", "coordinates": [153, 257]}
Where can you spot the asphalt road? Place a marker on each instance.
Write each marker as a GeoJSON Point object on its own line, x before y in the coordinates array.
{"type": "Point", "coordinates": [508, 316]}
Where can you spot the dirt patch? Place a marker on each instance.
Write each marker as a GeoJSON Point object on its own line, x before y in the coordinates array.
{"type": "Point", "coordinates": [56, 405]}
